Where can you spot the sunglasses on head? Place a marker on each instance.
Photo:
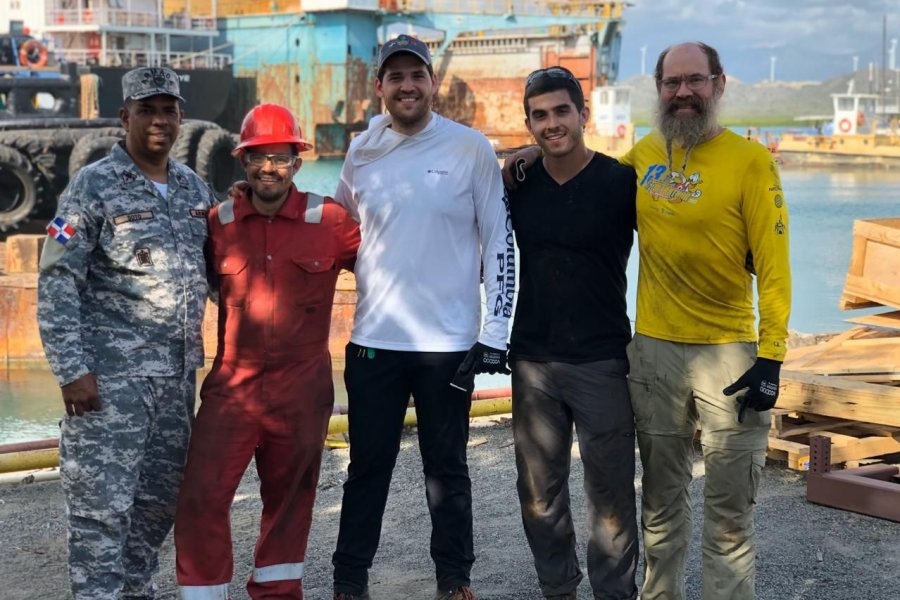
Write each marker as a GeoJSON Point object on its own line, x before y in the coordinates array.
{"type": "Point", "coordinates": [550, 72]}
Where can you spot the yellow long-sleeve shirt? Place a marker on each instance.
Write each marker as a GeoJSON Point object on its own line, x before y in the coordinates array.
{"type": "Point", "coordinates": [701, 222]}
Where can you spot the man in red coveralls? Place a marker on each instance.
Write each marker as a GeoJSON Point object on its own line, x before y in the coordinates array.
{"type": "Point", "coordinates": [274, 254]}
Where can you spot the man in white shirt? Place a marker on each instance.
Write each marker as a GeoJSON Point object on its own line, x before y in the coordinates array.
{"type": "Point", "coordinates": [429, 198]}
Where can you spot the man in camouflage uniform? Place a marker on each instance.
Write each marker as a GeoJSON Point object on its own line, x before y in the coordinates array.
{"type": "Point", "coordinates": [121, 294]}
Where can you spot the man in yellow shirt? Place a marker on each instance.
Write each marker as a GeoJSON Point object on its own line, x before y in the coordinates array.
{"type": "Point", "coordinates": [710, 215]}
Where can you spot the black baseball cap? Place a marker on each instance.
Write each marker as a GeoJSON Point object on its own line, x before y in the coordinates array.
{"type": "Point", "coordinates": [403, 43]}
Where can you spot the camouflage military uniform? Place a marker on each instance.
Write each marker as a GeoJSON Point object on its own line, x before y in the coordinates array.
{"type": "Point", "coordinates": [121, 294]}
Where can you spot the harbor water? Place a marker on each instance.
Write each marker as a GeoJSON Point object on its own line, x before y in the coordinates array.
{"type": "Point", "coordinates": [823, 205]}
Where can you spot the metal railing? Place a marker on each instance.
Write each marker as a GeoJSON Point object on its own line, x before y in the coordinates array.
{"type": "Point", "coordinates": [600, 9]}
{"type": "Point", "coordinates": [104, 15]}
{"type": "Point", "coordinates": [134, 58]}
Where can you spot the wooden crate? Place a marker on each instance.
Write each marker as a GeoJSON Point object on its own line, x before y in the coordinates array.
{"type": "Point", "coordinates": [873, 278]}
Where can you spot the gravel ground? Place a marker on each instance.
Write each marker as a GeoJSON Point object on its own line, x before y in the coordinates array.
{"type": "Point", "coordinates": [807, 552]}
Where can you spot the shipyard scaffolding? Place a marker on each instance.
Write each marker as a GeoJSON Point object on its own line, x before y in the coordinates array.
{"type": "Point", "coordinates": [318, 56]}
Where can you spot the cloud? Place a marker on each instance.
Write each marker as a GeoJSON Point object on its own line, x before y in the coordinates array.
{"type": "Point", "coordinates": [810, 39]}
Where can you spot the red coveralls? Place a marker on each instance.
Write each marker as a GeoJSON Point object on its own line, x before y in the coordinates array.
{"type": "Point", "coordinates": [269, 393]}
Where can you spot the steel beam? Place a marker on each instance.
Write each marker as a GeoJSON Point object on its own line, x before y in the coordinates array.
{"type": "Point", "coordinates": [872, 490]}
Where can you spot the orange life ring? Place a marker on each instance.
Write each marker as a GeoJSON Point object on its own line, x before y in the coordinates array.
{"type": "Point", "coordinates": [845, 125]}
{"type": "Point", "coordinates": [33, 54]}
{"type": "Point", "coordinates": [620, 130]}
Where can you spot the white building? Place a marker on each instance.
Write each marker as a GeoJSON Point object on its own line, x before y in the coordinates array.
{"type": "Point", "coordinates": [30, 12]}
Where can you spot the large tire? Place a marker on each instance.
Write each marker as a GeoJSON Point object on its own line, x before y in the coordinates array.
{"type": "Point", "coordinates": [48, 152]}
{"type": "Point", "coordinates": [214, 161]}
{"type": "Point", "coordinates": [20, 188]}
{"type": "Point", "coordinates": [184, 150]}
{"type": "Point", "coordinates": [112, 131]}
{"type": "Point", "coordinates": [90, 149]}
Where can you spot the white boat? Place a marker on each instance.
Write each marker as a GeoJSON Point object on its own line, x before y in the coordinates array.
{"type": "Point", "coordinates": [863, 130]}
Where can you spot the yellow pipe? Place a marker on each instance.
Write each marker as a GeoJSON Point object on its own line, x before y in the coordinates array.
{"type": "Point", "coordinates": [29, 460]}
{"type": "Point", "coordinates": [49, 457]}
{"type": "Point", "coordinates": [481, 408]}
{"type": "Point", "coordinates": [491, 406]}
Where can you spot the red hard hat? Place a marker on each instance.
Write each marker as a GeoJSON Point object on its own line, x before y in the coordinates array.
{"type": "Point", "coordinates": [270, 124]}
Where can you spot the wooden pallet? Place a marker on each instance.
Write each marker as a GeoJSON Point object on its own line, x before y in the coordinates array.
{"type": "Point", "coordinates": [852, 442]}
{"type": "Point", "coordinates": [840, 388]}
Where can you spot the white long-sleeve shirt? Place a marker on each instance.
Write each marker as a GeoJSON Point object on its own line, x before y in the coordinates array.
{"type": "Point", "coordinates": [431, 209]}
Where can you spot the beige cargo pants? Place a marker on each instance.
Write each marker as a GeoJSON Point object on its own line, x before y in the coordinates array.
{"type": "Point", "coordinates": [674, 387]}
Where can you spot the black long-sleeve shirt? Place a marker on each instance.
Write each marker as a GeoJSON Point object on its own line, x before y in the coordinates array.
{"type": "Point", "coordinates": [574, 241]}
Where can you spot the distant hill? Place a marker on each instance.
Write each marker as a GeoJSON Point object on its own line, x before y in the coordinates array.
{"type": "Point", "coordinates": [776, 102]}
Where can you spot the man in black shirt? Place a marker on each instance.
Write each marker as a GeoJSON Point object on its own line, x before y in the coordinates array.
{"type": "Point", "coordinates": [573, 214]}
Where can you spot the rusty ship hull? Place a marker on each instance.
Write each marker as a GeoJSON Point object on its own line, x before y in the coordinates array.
{"type": "Point", "coordinates": [318, 56]}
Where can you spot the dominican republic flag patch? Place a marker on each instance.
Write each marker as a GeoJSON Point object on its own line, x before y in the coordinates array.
{"type": "Point", "coordinates": [60, 231]}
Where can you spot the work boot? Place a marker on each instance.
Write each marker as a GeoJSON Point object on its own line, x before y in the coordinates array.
{"type": "Point", "coordinates": [346, 596]}
{"type": "Point", "coordinates": [463, 592]}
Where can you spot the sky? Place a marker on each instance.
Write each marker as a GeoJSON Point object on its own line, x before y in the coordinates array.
{"type": "Point", "coordinates": [811, 40]}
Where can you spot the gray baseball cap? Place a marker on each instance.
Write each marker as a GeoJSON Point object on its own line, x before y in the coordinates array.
{"type": "Point", "coordinates": [144, 82]}
{"type": "Point", "coordinates": [403, 43]}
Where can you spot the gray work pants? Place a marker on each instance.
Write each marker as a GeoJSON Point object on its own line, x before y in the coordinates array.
{"type": "Point", "coordinates": [548, 398]}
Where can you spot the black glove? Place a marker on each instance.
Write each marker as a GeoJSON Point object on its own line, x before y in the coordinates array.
{"type": "Point", "coordinates": [480, 359]}
{"type": "Point", "coordinates": [761, 383]}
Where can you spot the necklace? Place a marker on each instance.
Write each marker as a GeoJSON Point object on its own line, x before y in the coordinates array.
{"type": "Point", "coordinates": [687, 151]}
{"type": "Point", "coordinates": [687, 154]}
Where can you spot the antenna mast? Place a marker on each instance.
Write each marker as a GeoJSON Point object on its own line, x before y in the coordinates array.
{"type": "Point", "coordinates": [883, 84]}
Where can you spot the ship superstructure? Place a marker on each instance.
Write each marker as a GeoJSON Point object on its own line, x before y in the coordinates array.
{"type": "Point", "coordinates": [109, 37]}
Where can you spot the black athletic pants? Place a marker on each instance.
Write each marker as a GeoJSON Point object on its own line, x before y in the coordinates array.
{"type": "Point", "coordinates": [379, 384]}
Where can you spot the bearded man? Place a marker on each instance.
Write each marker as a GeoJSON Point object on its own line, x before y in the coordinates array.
{"type": "Point", "coordinates": [711, 215]}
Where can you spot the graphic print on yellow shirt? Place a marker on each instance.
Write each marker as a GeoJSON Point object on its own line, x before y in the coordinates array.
{"type": "Point", "coordinates": [674, 186]}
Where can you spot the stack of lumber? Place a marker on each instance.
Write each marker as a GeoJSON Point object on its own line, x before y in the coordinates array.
{"type": "Point", "coordinates": [860, 353]}
{"type": "Point", "coordinates": [846, 388]}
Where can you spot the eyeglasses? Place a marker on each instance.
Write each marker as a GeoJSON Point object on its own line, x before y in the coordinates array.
{"type": "Point", "coordinates": [550, 72]}
{"type": "Point", "coordinates": [280, 161]}
{"type": "Point", "coordinates": [693, 82]}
